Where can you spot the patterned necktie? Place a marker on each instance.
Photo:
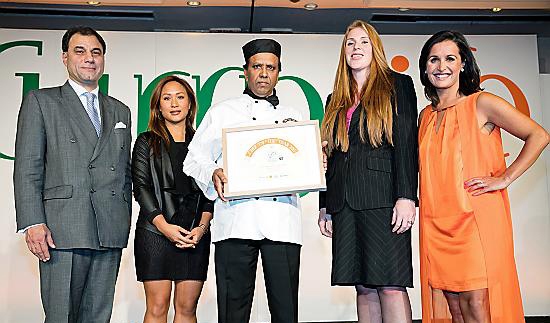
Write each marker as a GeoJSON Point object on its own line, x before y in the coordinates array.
{"type": "Point", "coordinates": [92, 112]}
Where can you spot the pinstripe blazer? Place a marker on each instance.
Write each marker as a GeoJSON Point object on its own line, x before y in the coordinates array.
{"type": "Point", "coordinates": [64, 176]}
{"type": "Point", "coordinates": [367, 177]}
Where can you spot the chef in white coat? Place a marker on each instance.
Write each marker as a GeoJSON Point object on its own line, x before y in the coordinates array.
{"type": "Point", "coordinates": [245, 228]}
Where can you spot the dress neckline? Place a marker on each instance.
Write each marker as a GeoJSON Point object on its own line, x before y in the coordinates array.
{"type": "Point", "coordinates": [449, 106]}
{"type": "Point", "coordinates": [174, 141]}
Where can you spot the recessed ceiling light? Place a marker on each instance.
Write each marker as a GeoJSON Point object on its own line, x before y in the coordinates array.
{"type": "Point", "coordinates": [311, 6]}
{"type": "Point", "coordinates": [225, 30]}
{"type": "Point", "coordinates": [193, 3]}
{"type": "Point", "coordinates": [496, 9]}
{"type": "Point", "coordinates": [272, 30]}
{"type": "Point", "coordinates": [93, 3]}
{"type": "Point", "coordinates": [403, 9]}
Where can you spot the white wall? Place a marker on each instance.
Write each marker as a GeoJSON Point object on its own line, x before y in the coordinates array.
{"type": "Point", "coordinates": [313, 58]}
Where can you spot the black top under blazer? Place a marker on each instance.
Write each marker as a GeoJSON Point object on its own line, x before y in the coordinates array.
{"type": "Point", "coordinates": [155, 188]}
{"type": "Point", "coordinates": [365, 177]}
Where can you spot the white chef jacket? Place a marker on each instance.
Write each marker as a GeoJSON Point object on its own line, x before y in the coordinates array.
{"type": "Point", "coordinates": [277, 218]}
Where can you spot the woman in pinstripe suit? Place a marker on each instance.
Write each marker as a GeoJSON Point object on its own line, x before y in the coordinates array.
{"type": "Point", "coordinates": [370, 126]}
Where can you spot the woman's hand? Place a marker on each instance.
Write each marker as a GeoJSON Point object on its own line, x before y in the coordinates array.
{"type": "Point", "coordinates": [325, 223]}
{"type": "Point", "coordinates": [172, 232]}
{"type": "Point", "coordinates": [404, 213]}
{"type": "Point", "coordinates": [481, 185]}
{"type": "Point", "coordinates": [177, 235]}
{"type": "Point", "coordinates": [197, 233]}
{"type": "Point", "coordinates": [495, 111]}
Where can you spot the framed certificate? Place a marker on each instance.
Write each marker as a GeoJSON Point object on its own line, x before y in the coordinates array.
{"type": "Point", "coordinates": [273, 159]}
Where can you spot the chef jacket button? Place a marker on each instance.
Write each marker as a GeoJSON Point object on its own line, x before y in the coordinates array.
{"type": "Point", "coordinates": [112, 168]}
{"type": "Point", "coordinates": [73, 140]}
{"type": "Point", "coordinates": [253, 118]}
{"type": "Point", "coordinates": [276, 121]}
{"type": "Point", "coordinates": [257, 198]}
{"type": "Point", "coordinates": [255, 101]}
{"type": "Point", "coordinates": [275, 199]}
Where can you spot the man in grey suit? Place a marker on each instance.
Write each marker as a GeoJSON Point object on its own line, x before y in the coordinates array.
{"type": "Point", "coordinates": [73, 185]}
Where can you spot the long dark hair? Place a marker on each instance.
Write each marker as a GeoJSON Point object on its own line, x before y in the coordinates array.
{"type": "Point", "coordinates": [469, 79]}
{"type": "Point", "coordinates": [156, 122]}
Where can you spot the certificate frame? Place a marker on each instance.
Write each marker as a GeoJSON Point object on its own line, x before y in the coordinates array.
{"type": "Point", "coordinates": [270, 160]}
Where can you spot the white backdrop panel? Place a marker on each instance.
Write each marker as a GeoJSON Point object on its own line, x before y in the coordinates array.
{"type": "Point", "coordinates": [310, 57]}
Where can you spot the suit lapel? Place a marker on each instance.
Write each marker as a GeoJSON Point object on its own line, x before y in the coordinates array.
{"type": "Point", "coordinates": [353, 131]}
{"type": "Point", "coordinates": [167, 173]}
{"type": "Point", "coordinates": [107, 125]}
{"type": "Point", "coordinates": [74, 108]}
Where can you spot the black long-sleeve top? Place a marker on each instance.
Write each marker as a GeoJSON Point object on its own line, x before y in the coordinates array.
{"type": "Point", "coordinates": [161, 187]}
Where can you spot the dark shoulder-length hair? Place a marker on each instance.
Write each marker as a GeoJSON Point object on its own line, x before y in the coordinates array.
{"type": "Point", "coordinates": [157, 126]}
{"type": "Point", "coordinates": [469, 79]}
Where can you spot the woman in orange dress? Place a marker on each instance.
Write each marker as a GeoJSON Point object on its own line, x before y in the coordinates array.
{"type": "Point", "coordinates": [468, 271]}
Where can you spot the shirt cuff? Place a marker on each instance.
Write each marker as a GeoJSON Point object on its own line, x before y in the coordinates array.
{"type": "Point", "coordinates": [24, 230]}
{"type": "Point", "coordinates": [407, 199]}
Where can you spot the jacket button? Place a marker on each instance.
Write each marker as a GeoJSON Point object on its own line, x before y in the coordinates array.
{"type": "Point", "coordinates": [92, 190]}
{"type": "Point", "coordinates": [112, 168]}
{"type": "Point", "coordinates": [72, 140]}
{"type": "Point", "coordinates": [113, 193]}
{"type": "Point", "coordinates": [275, 199]}
{"type": "Point", "coordinates": [90, 166]}
{"type": "Point", "coordinates": [276, 121]}
{"type": "Point", "coordinates": [253, 118]}
{"type": "Point", "coordinates": [257, 198]}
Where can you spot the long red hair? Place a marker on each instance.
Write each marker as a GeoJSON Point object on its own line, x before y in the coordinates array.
{"type": "Point", "coordinates": [375, 96]}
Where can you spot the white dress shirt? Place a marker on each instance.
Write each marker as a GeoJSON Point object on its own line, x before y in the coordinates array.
{"type": "Point", "coordinates": [80, 90]}
{"type": "Point", "coordinates": [277, 218]}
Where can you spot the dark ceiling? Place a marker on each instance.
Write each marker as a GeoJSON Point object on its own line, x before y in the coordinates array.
{"type": "Point", "coordinates": [280, 20]}
{"type": "Point", "coordinates": [271, 19]}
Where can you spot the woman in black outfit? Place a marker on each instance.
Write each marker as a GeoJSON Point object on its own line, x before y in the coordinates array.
{"type": "Point", "coordinates": [172, 242]}
{"type": "Point", "coordinates": [370, 128]}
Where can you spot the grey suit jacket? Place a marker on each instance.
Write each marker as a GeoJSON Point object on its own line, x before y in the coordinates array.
{"type": "Point", "coordinates": [67, 178]}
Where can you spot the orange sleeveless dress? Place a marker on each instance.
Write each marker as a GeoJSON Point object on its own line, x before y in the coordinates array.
{"type": "Point", "coordinates": [465, 241]}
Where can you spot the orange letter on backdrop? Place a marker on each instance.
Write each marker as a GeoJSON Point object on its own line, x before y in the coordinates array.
{"type": "Point", "coordinates": [517, 95]}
